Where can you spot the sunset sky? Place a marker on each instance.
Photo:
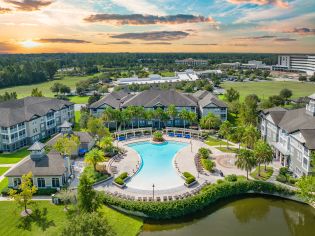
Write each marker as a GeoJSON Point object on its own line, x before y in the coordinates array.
{"type": "Point", "coordinates": [35, 26]}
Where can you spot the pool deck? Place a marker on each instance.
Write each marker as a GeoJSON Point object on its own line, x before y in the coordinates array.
{"type": "Point", "coordinates": [183, 161]}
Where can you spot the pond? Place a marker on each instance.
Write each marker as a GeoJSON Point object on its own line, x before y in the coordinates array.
{"type": "Point", "coordinates": [253, 216]}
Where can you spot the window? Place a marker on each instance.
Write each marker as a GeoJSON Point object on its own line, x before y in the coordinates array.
{"type": "Point", "coordinates": [16, 182]}
{"type": "Point", "coordinates": [41, 182]}
{"type": "Point", "coordinates": [55, 183]}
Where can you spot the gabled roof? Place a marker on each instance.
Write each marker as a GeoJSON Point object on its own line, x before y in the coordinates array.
{"type": "Point", "coordinates": [16, 111]}
{"type": "Point", "coordinates": [37, 146]}
{"type": "Point", "coordinates": [312, 96]}
{"type": "Point", "coordinates": [297, 119]}
{"type": "Point", "coordinates": [113, 100]}
{"type": "Point", "coordinates": [50, 165]}
{"type": "Point", "coordinates": [150, 98]}
{"type": "Point", "coordinates": [84, 137]}
{"type": "Point", "coordinates": [309, 136]}
{"type": "Point", "coordinates": [205, 98]}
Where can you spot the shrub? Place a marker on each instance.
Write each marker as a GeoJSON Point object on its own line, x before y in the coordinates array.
{"type": "Point", "coordinates": [208, 164]}
{"type": "Point", "coordinates": [189, 178]}
{"type": "Point", "coordinates": [210, 194]}
{"type": "Point", "coordinates": [231, 178]}
{"type": "Point", "coordinates": [292, 180]}
{"type": "Point", "coordinates": [281, 178]}
{"type": "Point", "coordinates": [204, 153]}
{"type": "Point", "coordinates": [45, 191]}
{"type": "Point", "coordinates": [94, 175]}
{"type": "Point", "coordinates": [123, 175]}
{"type": "Point", "coordinates": [220, 181]}
{"type": "Point", "coordinates": [119, 181]}
{"type": "Point", "coordinates": [158, 137]}
{"type": "Point", "coordinates": [283, 170]}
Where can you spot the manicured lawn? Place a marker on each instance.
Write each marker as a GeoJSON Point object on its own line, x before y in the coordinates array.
{"type": "Point", "coordinates": [77, 116]}
{"type": "Point", "coordinates": [14, 157]}
{"type": "Point", "coordinates": [4, 184]}
{"type": "Point", "coordinates": [3, 170]}
{"type": "Point", "coordinates": [211, 141]}
{"type": "Point", "coordinates": [25, 90]}
{"type": "Point", "coordinates": [52, 221]}
{"type": "Point", "coordinates": [229, 150]}
{"type": "Point", "coordinates": [264, 175]}
{"type": "Point", "coordinates": [266, 89]}
{"type": "Point", "coordinates": [79, 99]}
{"type": "Point", "coordinates": [44, 223]}
{"type": "Point", "coordinates": [122, 224]}
{"type": "Point", "coordinates": [167, 74]}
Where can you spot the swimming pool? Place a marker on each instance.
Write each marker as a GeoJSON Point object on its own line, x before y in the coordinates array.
{"type": "Point", "coordinates": [157, 166]}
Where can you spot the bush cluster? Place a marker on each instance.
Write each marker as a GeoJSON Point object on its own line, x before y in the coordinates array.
{"type": "Point", "coordinates": [120, 179]}
{"type": "Point", "coordinates": [189, 178]}
{"type": "Point", "coordinates": [208, 164]}
{"type": "Point", "coordinates": [231, 178]}
{"type": "Point", "coordinates": [210, 194]}
{"type": "Point", "coordinates": [158, 137]}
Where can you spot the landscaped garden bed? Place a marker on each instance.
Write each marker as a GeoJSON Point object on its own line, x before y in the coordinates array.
{"type": "Point", "coordinates": [285, 176]}
{"type": "Point", "coordinates": [121, 179]}
{"type": "Point", "coordinates": [264, 174]}
{"type": "Point", "coordinates": [158, 137]}
{"type": "Point", "coordinates": [190, 180]}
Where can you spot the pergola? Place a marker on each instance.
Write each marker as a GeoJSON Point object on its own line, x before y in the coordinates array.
{"type": "Point", "coordinates": [182, 133]}
{"type": "Point", "coordinates": [125, 134]}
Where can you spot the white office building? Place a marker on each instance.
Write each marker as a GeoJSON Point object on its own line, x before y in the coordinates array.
{"type": "Point", "coordinates": [296, 63]}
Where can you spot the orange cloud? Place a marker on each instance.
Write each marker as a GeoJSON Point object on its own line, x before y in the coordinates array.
{"type": "Point", "coordinates": [278, 3]}
{"type": "Point", "coordinates": [29, 5]}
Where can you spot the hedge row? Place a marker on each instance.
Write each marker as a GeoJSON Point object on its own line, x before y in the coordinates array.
{"type": "Point", "coordinates": [210, 194]}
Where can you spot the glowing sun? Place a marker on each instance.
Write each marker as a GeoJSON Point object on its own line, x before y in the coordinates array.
{"type": "Point", "coordinates": [29, 44]}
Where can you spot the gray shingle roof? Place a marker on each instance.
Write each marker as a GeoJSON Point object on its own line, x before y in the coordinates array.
{"type": "Point", "coordinates": [207, 98]}
{"type": "Point", "coordinates": [16, 111]}
{"type": "Point", "coordinates": [50, 165]}
{"type": "Point", "coordinates": [37, 146]}
{"type": "Point", "coordinates": [84, 137]}
{"type": "Point", "coordinates": [113, 100]}
{"type": "Point", "coordinates": [150, 98]}
{"type": "Point", "coordinates": [298, 119]}
{"type": "Point", "coordinates": [309, 136]}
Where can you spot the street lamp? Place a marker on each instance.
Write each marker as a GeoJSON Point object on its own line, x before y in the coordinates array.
{"type": "Point", "coordinates": [153, 190]}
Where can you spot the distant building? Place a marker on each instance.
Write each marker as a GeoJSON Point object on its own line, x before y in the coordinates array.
{"type": "Point", "coordinates": [201, 102]}
{"type": "Point", "coordinates": [49, 170]}
{"type": "Point", "coordinates": [296, 63]}
{"type": "Point", "coordinates": [291, 133]}
{"type": "Point", "coordinates": [188, 75]}
{"type": "Point", "coordinates": [191, 62]}
{"type": "Point", "coordinates": [250, 65]}
{"type": "Point", "coordinates": [25, 121]}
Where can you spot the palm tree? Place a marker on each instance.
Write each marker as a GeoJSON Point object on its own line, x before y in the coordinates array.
{"type": "Point", "coordinates": [94, 156]}
{"type": "Point", "coordinates": [132, 113]}
{"type": "Point", "coordinates": [184, 115]}
{"type": "Point", "coordinates": [172, 112]}
{"type": "Point", "coordinates": [139, 113]}
{"type": "Point", "coordinates": [106, 117]}
{"type": "Point", "coordinates": [210, 121]}
{"type": "Point", "coordinates": [125, 117]}
{"type": "Point", "coordinates": [245, 160]}
{"type": "Point", "coordinates": [238, 135]}
{"type": "Point", "coordinates": [149, 115]}
{"type": "Point", "coordinates": [106, 142]}
{"type": "Point", "coordinates": [225, 131]}
{"type": "Point", "coordinates": [263, 154]}
{"type": "Point", "coordinates": [250, 136]}
{"type": "Point", "coordinates": [159, 114]}
{"type": "Point", "coordinates": [192, 117]}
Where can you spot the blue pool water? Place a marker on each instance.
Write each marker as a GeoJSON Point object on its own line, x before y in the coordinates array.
{"type": "Point", "coordinates": [157, 166]}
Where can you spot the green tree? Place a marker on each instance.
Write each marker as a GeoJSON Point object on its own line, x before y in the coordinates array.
{"type": "Point", "coordinates": [67, 197]}
{"type": "Point", "coordinates": [245, 160]}
{"type": "Point", "coordinates": [306, 185]}
{"type": "Point", "coordinates": [89, 199]}
{"type": "Point", "coordinates": [250, 136]}
{"type": "Point", "coordinates": [84, 119]}
{"type": "Point", "coordinates": [172, 112]}
{"type": "Point", "coordinates": [232, 95]}
{"type": "Point", "coordinates": [286, 94]}
{"type": "Point", "coordinates": [184, 115]}
{"type": "Point", "coordinates": [225, 130]}
{"type": "Point", "coordinates": [97, 128]}
{"type": "Point", "coordinates": [23, 196]}
{"type": "Point", "coordinates": [210, 121]}
{"type": "Point", "coordinates": [55, 88]}
{"type": "Point", "coordinates": [36, 93]}
{"type": "Point", "coordinates": [192, 117]}
{"type": "Point", "coordinates": [87, 224]}
{"type": "Point", "coordinates": [67, 145]}
{"type": "Point", "coordinates": [263, 154]}
{"type": "Point", "coordinates": [106, 142]}
{"type": "Point", "coordinates": [94, 156]}
{"type": "Point", "coordinates": [159, 113]}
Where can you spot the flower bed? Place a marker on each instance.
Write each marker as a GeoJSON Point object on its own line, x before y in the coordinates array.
{"type": "Point", "coordinates": [189, 179]}
{"type": "Point", "coordinates": [210, 194]}
{"type": "Point", "coordinates": [158, 137]}
{"type": "Point", "coordinates": [120, 180]}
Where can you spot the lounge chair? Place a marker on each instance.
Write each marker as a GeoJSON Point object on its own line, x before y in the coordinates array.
{"type": "Point", "coordinates": [150, 199]}
{"type": "Point", "coordinates": [187, 136]}
{"type": "Point", "coordinates": [170, 198]}
{"type": "Point", "coordinates": [176, 197]}
{"type": "Point", "coordinates": [164, 198]}
{"type": "Point", "coordinates": [158, 199]}
{"type": "Point", "coordinates": [139, 199]}
{"type": "Point", "coordinates": [144, 199]}
{"type": "Point", "coordinates": [179, 135]}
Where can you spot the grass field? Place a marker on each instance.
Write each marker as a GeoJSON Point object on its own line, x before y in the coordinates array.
{"type": "Point", "coordinates": [266, 89]}
{"type": "Point", "coordinates": [264, 175]}
{"type": "Point", "coordinates": [14, 157]}
{"type": "Point", "coordinates": [228, 150]}
{"type": "Point", "coordinates": [3, 184]}
{"type": "Point", "coordinates": [53, 219]}
{"type": "Point", "coordinates": [214, 142]}
{"type": "Point", "coordinates": [25, 90]}
{"type": "Point", "coordinates": [79, 99]}
{"type": "Point", "coordinates": [3, 170]}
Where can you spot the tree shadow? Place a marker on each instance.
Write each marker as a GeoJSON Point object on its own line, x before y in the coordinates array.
{"type": "Point", "coordinates": [38, 217]}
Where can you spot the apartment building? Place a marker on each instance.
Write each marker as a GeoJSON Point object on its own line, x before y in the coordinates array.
{"type": "Point", "coordinates": [296, 63]}
{"type": "Point", "coordinates": [291, 133]}
{"type": "Point", "coordinates": [191, 62]}
{"type": "Point", "coordinates": [25, 121]}
{"type": "Point", "coordinates": [200, 102]}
